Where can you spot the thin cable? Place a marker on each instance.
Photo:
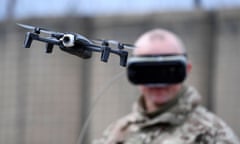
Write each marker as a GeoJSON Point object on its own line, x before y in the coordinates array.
{"type": "Point", "coordinates": [97, 98]}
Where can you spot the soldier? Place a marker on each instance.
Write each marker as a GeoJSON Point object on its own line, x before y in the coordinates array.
{"type": "Point", "coordinates": [167, 114]}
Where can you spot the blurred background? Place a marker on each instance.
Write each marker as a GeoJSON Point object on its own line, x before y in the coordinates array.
{"type": "Point", "coordinates": [45, 98]}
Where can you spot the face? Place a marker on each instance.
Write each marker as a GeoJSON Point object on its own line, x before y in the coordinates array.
{"type": "Point", "coordinates": [154, 97]}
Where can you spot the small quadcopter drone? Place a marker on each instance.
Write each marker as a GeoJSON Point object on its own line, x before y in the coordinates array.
{"type": "Point", "coordinates": [76, 44]}
{"type": "Point", "coordinates": [152, 70]}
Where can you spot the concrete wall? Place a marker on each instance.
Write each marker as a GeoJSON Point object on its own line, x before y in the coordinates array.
{"type": "Point", "coordinates": [227, 79]}
{"type": "Point", "coordinates": [45, 98]}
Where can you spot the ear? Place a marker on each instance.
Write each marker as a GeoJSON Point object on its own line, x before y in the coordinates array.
{"type": "Point", "coordinates": [189, 67]}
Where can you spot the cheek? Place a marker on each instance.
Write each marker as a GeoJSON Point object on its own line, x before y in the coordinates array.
{"type": "Point", "coordinates": [174, 89]}
{"type": "Point", "coordinates": [143, 89]}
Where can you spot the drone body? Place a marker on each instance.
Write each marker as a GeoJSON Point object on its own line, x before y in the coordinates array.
{"type": "Point", "coordinates": [76, 44]}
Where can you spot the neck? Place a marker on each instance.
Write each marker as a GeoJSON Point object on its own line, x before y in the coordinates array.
{"type": "Point", "coordinates": [158, 108]}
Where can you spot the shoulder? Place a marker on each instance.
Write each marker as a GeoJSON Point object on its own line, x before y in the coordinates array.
{"type": "Point", "coordinates": [208, 119]}
{"type": "Point", "coordinates": [204, 124]}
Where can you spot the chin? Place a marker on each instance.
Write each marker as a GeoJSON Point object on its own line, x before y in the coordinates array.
{"type": "Point", "coordinates": [159, 99]}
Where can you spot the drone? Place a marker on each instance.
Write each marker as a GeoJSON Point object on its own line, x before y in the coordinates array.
{"type": "Point", "coordinates": [76, 44]}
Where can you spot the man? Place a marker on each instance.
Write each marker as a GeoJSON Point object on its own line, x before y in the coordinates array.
{"type": "Point", "coordinates": [169, 113]}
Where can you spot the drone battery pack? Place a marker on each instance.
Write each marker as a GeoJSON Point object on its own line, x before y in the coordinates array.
{"type": "Point", "coordinates": [156, 70]}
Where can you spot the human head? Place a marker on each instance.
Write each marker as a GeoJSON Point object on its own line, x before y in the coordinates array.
{"type": "Point", "coordinates": [156, 42]}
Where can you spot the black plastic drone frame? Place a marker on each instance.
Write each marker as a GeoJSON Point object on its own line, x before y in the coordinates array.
{"type": "Point", "coordinates": [76, 44]}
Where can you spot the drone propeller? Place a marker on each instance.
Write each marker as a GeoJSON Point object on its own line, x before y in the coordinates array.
{"type": "Point", "coordinates": [38, 30]}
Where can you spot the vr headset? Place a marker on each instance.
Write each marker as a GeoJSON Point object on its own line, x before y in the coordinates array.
{"type": "Point", "coordinates": [157, 70]}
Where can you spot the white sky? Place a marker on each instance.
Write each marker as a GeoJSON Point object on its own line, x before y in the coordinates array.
{"type": "Point", "coordinates": [28, 8]}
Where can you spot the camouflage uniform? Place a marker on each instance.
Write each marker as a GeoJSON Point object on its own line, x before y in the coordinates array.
{"type": "Point", "coordinates": [183, 121]}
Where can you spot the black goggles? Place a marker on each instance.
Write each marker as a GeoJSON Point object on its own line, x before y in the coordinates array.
{"type": "Point", "coordinates": [157, 69]}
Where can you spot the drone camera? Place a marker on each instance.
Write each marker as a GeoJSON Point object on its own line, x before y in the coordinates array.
{"type": "Point", "coordinates": [68, 40]}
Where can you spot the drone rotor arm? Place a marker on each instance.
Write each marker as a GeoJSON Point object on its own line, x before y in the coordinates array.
{"type": "Point", "coordinates": [49, 40]}
{"type": "Point", "coordinates": [94, 48]}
